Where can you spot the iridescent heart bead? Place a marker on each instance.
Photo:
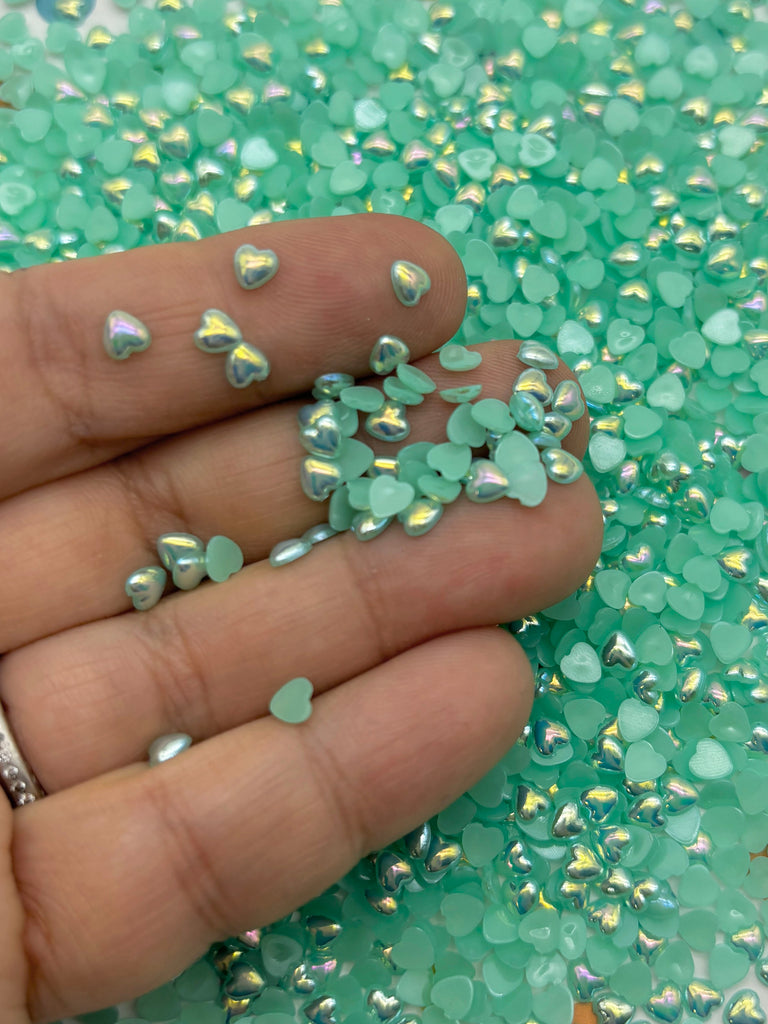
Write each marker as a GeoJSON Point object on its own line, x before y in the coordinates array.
{"type": "Point", "coordinates": [145, 587]}
{"type": "Point", "coordinates": [527, 411]}
{"type": "Point", "coordinates": [287, 551]}
{"type": "Point", "coordinates": [183, 555]}
{"type": "Point", "coordinates": [246, 365]}
{"type": "Point", "coordinates": [367, 526]}
{"type": "Point", "coordinates": [567, 399]}
{"type": "Point", "coordinates": [387, 353]}
{"type": "Point", "coordinates": [254, 267]}
{"type": "Point", "coordinates": [322, 435]}
{"type": "Point", "coordinates": [485, 482]}
{"type": "Point", "coordinates": [124, 334]}
{"type": "Point", "coordinates": [410, 282]}
{"type": "Point", "coordinates": [166, 747]}
{"type": "Point", "coordinates": [217, 332]}
{"type": "Point", "coordinates": [330, 385]}
{"type": "Point", "coordinates": [319, 478]}
{"type": "Point", "coordinates": [533, 382]}
{"type": "Point", "coordinates": [533, 353]}
{"type": "Point", "coordinates": [388, 423]}
{"type": "Point", "coordinates": [421, 516]}
{"type": "Point", "coordinates": [745, 1007]}
{"type": "Point", "coordinates": [561, 466]}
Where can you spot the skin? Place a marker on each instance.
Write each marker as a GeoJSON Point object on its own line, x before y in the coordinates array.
{"type": "Point", "coordinates": [123, 875]}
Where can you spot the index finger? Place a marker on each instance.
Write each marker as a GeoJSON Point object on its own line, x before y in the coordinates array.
{"type": "Point", "coordinates": [67, 406]}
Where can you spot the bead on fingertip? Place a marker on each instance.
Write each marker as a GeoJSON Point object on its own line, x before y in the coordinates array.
{"type": "Point", "coordinates": [409, 281]}
{"type": "Point", "coordinates": [169, 746]}
{"type": "Point", "coordinates": [246, 365]}
{"type": "Point", "coordinates": [124, 334]}
{"type": "Point", "coordinates": [145, 586]}
{"type": "Point", "coordinates": [254, 267]}
{"type": "Point", "coordinates": [217, 332]}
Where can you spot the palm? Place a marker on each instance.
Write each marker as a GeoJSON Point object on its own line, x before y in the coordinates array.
{"type": "Point", "coordinates": [124, 866]}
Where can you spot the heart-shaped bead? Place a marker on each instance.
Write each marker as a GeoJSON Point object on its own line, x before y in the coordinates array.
{"type": "Point", "coordinates": [165, 747]}
{"type": "Point", "coordinates": [409, 281]}
{"type": "Point", "coordinates": [223, 558]}
{"type": "Point", "coordinates": [387, 353]}
{"type": "Point", "coordinates": [293, 701]}
{"type": "Point", "coordinates": [188, 571]}
{"type": "Point", "coordinates": [388, 423]}
{"type": "Point", "coordinates": [319, 477]}
{"type": "Point", "coordinates": [254, 267]}
{"type": "Point", "coordinates": [420, 516]}
{"type": "Point", "coordinates": [124, 335]}
{"type": "Point", "coordinates": [666, 1004]}
{"type": "Point", "coordinates": [744, 1008]}
{"type": "Point", "coordinates": [246, 364]}
{"type": "Point", "coordinates": [145, 587]}
{"type": "Point", "coordinates": [485, 482]}
{"type": "Point", "coordinates": [217, 332]}
{"type": "Point", "coordinates": [183, 555]}
{"type": "Point", "coordinates": [711, 760]}
{"type": "Point", "coordinates": [643, 763]}
{"type": "Point", "coordinates": [388, 496]}
{"type": "Point", "coordinates": [322, 436]}
{"type": "Point", "coordinates": [561, 466]}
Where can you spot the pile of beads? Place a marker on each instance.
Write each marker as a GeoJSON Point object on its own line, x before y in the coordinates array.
{"type": "Point", "coordinates": [188, 561]}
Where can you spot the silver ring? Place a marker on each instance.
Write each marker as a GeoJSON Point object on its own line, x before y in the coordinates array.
{"type": "Point", "coordinates": [16, 777]}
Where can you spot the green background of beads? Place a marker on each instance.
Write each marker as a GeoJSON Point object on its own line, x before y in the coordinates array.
{"type": "Point", "coordinates": [600, 169]}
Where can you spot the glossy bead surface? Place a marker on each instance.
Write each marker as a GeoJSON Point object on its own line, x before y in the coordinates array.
{"type": "Point", "coordinates": [410, 282]}
{"type": "Point", "coordinates": [246, 365]}
{"type": "Point", "coordinates": [166, 747]}
{"type": "Point", "coordinates": [254, 267]}
{"type": "Point", "coordinates": [217, 332]}
{"type": "Point", "coordinates": [124, 334]}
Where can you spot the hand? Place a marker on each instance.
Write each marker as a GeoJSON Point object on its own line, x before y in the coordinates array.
{"type": "Point", "coordinates": [124, 874]}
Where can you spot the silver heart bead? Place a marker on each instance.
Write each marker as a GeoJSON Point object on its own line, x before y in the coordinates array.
{"type": "Point", "coordinates": [389, 422]}
{"type": "Point", "coordinates": [485, 482]}
{"type": "Point", "coordinates": [420, 516]}
{"type": "Point", "coordinates": [561, 466]}
{"type": "Point", "coordinates": [124, 334]}
{"type": "Point", "coordinates": [387, 353]}
{"type": "Point", "coordinates": [366, 525]}
{"type": "Point", "coordinates": [322, 436]}
{"type": "Point", "coordinates": [245, 365]}
{"type": "Point", "coordinates": [165, 747]}
{"type": "Point", "coordinates": [254, 267]}
{"type": "Point", "coordinates": [744, 1008]}
{"type": "Point", "coordinates": [409, 281]}
{"type": "Point", "coordinates": [217, 332]}
{"type": "Point", "coordinates": [188, 571]}
{"type": "Point", "coordinates": [173, 546]}
{"type": "Point", "coordinates": [319, 478]}
{"type": "Point", "coordinates": [145, 587]}
{"type": "Point", "coordinates": [533, 353]}
{"type": "Point", "coordinates": [392, 872]}
{"type": "Point", "coordinates": [567, 399]}
{"type": "Point", "coordinates": [384, 1006]}
{"type": "Point", "coordinates": [534, 382]}
{"type": "Point", "coordinates": [666, 1004]}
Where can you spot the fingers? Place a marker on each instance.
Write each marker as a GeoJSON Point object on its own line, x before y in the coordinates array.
{"type": "Point", "coordinates": [239, 478]}
{"type": "Point", "coordinates": [205, 661]}
{"type": "Point", "coordinates": [66, 405]}
{"type": "Point", "coordinates": [245, 827]}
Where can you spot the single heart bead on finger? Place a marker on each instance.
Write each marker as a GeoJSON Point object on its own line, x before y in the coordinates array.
{"type": "Point", "coordinates": [254, 267]}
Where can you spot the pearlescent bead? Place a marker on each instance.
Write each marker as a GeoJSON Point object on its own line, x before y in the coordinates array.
{"type": "Point", "coordinates": [254, 267]}
{"type": "Point", "coordinates": [321, 434]}
{"type": "Point", "coordinates": [389, 423]}
{"type": "Point", "coordinates": [366, 525]}
{"type": "Point", "coordinates": [533, 382]}
{"type": "Point", "coordinates": [165, 747]}
{"type": "Point", "coordinates": [145, 587]}
{"type": "Point", "coordinates": [567, 399]}
{"type": "Point", "coordinates": [527, 411]}
{"type": "Point", "coordinates": [183, 555]}
{"type": "Point", "coordinates": [561, 466]}
{"type": "Point", "coordinates": [286, 551]}
{"type": "Point", "coordinates": [319, 477]}
{"type": "Point", "coordinates": [188, 571]}
{"type": "Point", "coordinates": [392, 872]}
{"type": "Point", "coordinates": [410, 282]}
{"type": "Point", "coordinates": [387, 353]}
{"type": "Point", "coordinates": [485, 482]}
{"type": "Point", "coordinates": [420, 516]}
{"type": "Point", "coordinates": [217, 332]}
{"type": "Point", "coordinates": [245, 365]}
{"type": "Point", "coordinates": [317, 534]}
{"type": "Point", "coordinates": [124, 334]}
{"type": "Point", "coordinates": [533, 353]}
{"type": "Point", "coordinates": [417, 841]}
{"type": "Point", "coordinates": [556, 425]}
{"type": "Point", "coordinates": [330, 385]}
